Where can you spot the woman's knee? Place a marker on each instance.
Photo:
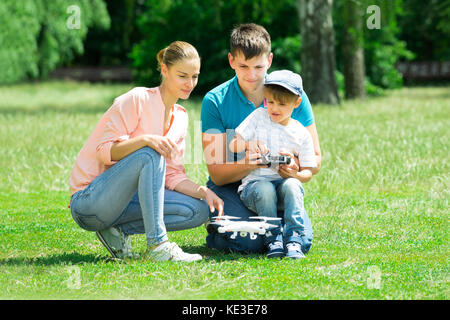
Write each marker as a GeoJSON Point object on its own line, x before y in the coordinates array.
{"type": "Point", "coordinates": [198, 211]}
{"type": "Point", "coordinates": [202, 213]}
{"type": "Point", "coordinates": [186, 213]}
{"type": "Point", "coordinates": [148, 154]}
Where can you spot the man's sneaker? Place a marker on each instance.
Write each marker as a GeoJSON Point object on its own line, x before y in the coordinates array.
{"type": "Point", "coordinates": [294, 251]}
{"type": "Point", "coordinates": [117, 243]}
{"type": "Point", "coordinates": [170, 251]}
{"type": "Point", "coordinates": [275, 250]}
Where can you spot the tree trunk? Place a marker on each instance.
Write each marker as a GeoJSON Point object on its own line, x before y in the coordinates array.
{"type": "Point", "coordinates": [318, 59]}
{"type": "Point", "coordinates": [353, 51]}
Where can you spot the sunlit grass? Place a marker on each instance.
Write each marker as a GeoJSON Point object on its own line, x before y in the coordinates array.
{"type": "Point", "coordinates": [379, 206]}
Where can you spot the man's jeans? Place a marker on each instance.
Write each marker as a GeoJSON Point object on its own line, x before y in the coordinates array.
{"type": "Point", "coordinates": [233, 206]}
{"type": "Point", "coordinates": [131, 195]}
{"type": "Point", "coordinates": [266, 198]}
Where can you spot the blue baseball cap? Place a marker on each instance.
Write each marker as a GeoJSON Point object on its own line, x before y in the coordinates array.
{"type": "Point", "coordinates": [287, 79]}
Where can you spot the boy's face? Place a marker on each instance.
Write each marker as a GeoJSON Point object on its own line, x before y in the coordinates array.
{"type": "Point", "coordinates": [278, 111]}
{"type": "Point", "coordinates": [251, 72]}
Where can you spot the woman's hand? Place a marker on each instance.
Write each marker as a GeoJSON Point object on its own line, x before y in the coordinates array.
{"type": "Point", "coordinates": [163, 145]}
{"type": "Point", "coordinates": [213, 201]}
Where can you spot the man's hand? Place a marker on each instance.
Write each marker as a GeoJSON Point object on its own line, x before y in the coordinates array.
{"type": "Point", "coordinates": [257, 147]}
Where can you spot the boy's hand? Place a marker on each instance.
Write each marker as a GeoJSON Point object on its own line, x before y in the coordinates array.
{"type": "Point", "coordinates": [288, 170]}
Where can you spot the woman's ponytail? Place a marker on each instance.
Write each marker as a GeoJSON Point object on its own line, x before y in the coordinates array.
{"type": "Point", "coordinates": [160, 57]}
{"type": "Point", "coordinates": [176, 51]}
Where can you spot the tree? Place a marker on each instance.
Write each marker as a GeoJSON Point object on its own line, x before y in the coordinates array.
{"type": "Point", "coordinates": [37, 36]}
{"type": "Point", "coordinates": [317, 54]}
{"type": "Point", "coordinates": [353, 50]}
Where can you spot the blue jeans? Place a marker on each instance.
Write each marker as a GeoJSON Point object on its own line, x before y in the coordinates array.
{"type": "Point", "coordinates": [266, 198]}
{"type": "Point", "coordinates": [131, 195]}
{"type": "Point", "coordinates": [233, 206]}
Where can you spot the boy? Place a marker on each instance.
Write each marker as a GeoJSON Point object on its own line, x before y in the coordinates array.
{"type": "Point", "coordinates": [270, 131]}
{"type": "Point", "coordinates": [223, 109]}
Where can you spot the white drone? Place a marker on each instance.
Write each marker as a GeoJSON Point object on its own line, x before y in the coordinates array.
{"type": "Point", "coordinates": [225, 224]}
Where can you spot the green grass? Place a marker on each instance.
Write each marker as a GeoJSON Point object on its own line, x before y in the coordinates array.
{"type": "Point", "coordinates": [379, 206]}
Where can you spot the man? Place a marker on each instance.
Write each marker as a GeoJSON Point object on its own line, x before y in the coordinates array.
{"type": "Point", "coordinates": [223, 109]}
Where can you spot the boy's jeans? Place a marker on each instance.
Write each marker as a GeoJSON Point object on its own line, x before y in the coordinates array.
{"type": "Point", "coordinates": [267, 197]}
{"type": "Point", "coordinates": [131, 195]}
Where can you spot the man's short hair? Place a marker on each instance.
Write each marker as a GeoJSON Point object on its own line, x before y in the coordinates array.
{"type": "Point", "coordinates": [250, 39]}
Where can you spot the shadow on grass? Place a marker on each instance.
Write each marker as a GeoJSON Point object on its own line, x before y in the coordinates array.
{"type": "Point", "coordinates": [78, 258]}
{"type": "Point", "coordinates": [219, 255]}
{"type": "Point", "coordinates": [54, 259]}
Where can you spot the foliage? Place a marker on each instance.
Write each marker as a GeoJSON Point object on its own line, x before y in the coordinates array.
{"type": "Point", "coordinates": [207, 25]}
{"type": "Point", "coordinates": [111, 47]}
{"type": "Point", "coordinates": [35, 36]}
{"type": "Point", "coordinates": [425, 26]}
{"type": "Point", "coordinates": [382, 47]}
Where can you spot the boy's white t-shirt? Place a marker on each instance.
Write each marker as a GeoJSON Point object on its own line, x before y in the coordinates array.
{"type": "Point", "coordinates": [294, 138]}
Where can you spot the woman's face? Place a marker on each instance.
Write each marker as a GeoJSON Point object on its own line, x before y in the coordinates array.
{"type": "Point", "coordinates": [181, 77]}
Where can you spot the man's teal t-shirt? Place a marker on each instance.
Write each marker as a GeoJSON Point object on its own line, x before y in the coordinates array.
{"type": "Point", "coordinates": [225, 107]}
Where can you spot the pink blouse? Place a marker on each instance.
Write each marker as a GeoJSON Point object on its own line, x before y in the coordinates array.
{"type": "Point", "coordinates": [136, 112]}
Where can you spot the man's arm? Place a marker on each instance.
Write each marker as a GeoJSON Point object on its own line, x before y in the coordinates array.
{"type": "Point", "coordinates": [315, 137]}
{"type": "Point", "coordinates": [221, 172]}
{"type": "Point", "coordinates": [237, 145]}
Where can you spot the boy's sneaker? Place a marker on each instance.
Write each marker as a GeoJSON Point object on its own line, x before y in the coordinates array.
{"type": "Point", "coordinates": [294, 251]}
{"type": "Point", "coordinates": [170, 251]}
{"type": "Point", "coordinates": [117, 243]}
{"type": "Point", "coordinates": [275, 250]}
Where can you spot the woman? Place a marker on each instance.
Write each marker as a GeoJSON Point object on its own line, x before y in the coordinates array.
{"type": "Point", "coordinates": [129, 177]}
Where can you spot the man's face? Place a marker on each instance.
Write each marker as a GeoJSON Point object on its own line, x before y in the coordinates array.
{"type": "Point", "coordinates": [251, 72]}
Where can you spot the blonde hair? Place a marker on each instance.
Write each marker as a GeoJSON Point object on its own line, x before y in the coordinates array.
{"type": "Point", "coordinates": [176, 51]}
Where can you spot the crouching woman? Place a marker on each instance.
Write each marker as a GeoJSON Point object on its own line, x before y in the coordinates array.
{"type": "Point", "coordinates": [129, 177]}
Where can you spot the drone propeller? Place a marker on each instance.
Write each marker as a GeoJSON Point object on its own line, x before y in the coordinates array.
{"type": "Point", "coordinates": [266, 218]}
{"type": "Point", "coordinates": [225, 218]}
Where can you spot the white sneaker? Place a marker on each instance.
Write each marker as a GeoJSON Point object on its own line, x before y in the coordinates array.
{"type": "Point", "coordinates": [117, 243]}
{"type": "Point", "coordinates": [170, 251]}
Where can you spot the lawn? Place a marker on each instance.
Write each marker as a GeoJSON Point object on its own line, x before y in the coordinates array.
{"type": "Point", "coordinates": [379, 206]}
